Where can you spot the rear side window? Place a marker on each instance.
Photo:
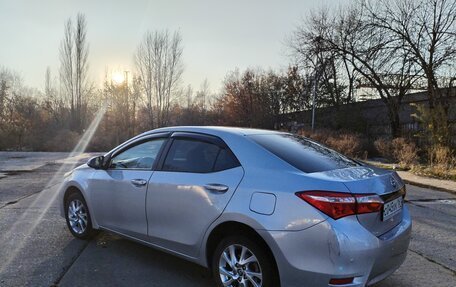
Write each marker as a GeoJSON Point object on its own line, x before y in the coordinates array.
{"type": "Point", "coordinates": [189, 155]}
{"type": "Point", "coordinates": [225, 160]}
{"type": "Point", "coordinates": [303, 153]}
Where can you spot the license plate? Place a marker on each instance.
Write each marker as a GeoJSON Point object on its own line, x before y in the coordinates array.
{"type": "Point", "coordinates": [392, 207]}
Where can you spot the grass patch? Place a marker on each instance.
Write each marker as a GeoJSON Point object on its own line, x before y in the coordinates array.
{"type": "Point", "coordinates": [435, 172]}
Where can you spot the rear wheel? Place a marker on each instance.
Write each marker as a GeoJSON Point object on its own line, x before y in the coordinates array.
{"type": "Point", "coordinates": [78, 217]}
{"type": "Point", "coordinates": [240, 262]}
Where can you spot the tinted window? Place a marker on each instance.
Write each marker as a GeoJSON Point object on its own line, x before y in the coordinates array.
{"type": "Point", "coordinates": [303, 153]}
{"type": "Point", "coordinates": [191, 156]}
{"type": "Point", "coordinates": [225, 160]}
{"type": "Point", "coordinates": [141, 156]}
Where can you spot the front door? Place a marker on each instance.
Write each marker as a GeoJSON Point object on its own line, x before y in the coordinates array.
{"type": "Point", "coordinates": [119, 193]}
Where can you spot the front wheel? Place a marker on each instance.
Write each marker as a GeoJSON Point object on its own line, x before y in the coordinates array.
{"type": "Point", "coordinates": [78, 217]}
{"type": "Point", "coordinates": [240, 262]}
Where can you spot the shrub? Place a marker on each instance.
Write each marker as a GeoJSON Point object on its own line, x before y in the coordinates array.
{"type": "Point", "coordinates": [347, 143]}
{"type": "Point", "coordinates": [435, 123]}
{"type": "Point", "coordinates": [65, 140]}
{"type": "Point", "coordinates": [384, 148]}
{"type": "Point", "coordinates": [399, 150]}
{"type": "Point", "coordinates": [441, 156]}
{"type": "Point", "coordinates": [405, 152]}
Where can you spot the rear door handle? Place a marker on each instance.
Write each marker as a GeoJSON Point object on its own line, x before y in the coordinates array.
{"type": "Point", "coordinates": [215, 187]}
{"type": "Point", "coordinates": [138, 182]}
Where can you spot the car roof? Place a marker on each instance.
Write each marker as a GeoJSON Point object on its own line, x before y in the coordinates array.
{"type": "Point", "coordinates": [213, 130]}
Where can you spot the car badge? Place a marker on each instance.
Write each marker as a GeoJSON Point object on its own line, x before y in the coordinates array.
{"type": "Point", "coordinates": [393, 182]}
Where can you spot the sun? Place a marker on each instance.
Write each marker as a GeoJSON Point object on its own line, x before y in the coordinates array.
{"type": "Point", "coordinates": [118, 78]}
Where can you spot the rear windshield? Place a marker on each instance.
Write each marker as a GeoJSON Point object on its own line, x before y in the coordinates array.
{"type": "Point", "coordinates": [303, 153]}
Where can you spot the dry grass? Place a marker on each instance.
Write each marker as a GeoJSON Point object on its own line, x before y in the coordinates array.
{"type": "Point", "coordinates": [441, 160]}
{"type": "Point", "coordinates": [435, 171]}
{"type": "Point", "coordinates": [441, 156]}
{"type": "Point", "coordinates": [441, 163]}
{"type": "Point", "coordinates": [399, 150]}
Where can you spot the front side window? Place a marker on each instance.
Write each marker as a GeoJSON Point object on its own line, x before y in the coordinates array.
{"type": "Point", "coordinates": [189, 155]}
{"type": "Point", "coordinates": [141, 156]}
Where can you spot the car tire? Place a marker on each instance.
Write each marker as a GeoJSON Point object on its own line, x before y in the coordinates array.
{"type": "Point", "coordinates": [246, 268]}
{"type": "Point", "coordinates": [78, 216]}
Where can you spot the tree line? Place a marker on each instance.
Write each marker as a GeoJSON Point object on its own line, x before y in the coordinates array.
{"type": "Point", "coordinates": [391, 47]}
{"type": "Point", "coordinates": [383, 48]}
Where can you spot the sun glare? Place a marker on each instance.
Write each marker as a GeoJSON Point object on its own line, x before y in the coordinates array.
{"type": "Point", "coordinates": [30, 219]}
{"type": "Point", "coordinates": [118, 78]}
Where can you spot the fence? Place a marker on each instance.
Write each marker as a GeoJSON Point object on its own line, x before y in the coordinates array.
{"type": "Point", "coordinates": [370, 117]}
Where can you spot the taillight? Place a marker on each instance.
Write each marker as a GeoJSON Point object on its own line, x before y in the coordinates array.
{"type": "Point", "coordinates": [368, 203]}
{"type": "Point", "coordinates": [338, 205]}
{"type": "Point", "coordinates": [341, 281]}
{"type": "Point", "coordinates": [334, 204]}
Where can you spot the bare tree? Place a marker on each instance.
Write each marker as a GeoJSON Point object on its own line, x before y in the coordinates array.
{"type": "Point", "coordinates": [74, 69]}
{"type": "Point", "coordinates": [426, 30]}
{"type": "Point", "coordinates": [67, 66]}
{"type": "Point", "coordinates": [135, 97]}
{"type": "Point", "coordinates": [328, 70]}
{"type": "Point", "coordinates": [203, 94]}
{"type": "Point", "coordinates": [159, 63]}
{"type": "Point", "coordinates": [48, 88]}
{"type": "Point", "coordinates": [189, 96]}
{"type": "Point", "coordinates": [371, 52]}
{"type": "Point", "coordinates": [81, 68]}
{"type": "Point", "coordinates": [10, 86]}
{"type": "Point", "coordinates": [53, 103]}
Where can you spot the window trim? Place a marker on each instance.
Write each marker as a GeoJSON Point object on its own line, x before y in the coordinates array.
{"type": "Point", "coordinates": [195, 137]}
{"type": "Point", "coordinates": [131, 144]}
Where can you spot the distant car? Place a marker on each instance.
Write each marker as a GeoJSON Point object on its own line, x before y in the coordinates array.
{"type": "Point", "coordinates": [260, 208]}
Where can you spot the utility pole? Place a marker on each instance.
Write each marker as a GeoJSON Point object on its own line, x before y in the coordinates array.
{"type": "Point", "coordinates": [314, 95]}
{"type": "Point", "coordinates": [130, 117]}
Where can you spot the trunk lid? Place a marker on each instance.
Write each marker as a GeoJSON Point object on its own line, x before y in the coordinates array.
{"type": "Point", "coordinates": [371, 180]}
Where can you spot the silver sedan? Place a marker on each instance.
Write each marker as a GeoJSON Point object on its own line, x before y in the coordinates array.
{"type": "Point", "coordinates": [259, 208]}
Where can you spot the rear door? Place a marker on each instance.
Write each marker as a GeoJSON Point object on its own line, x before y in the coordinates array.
{"type": "Point", "coordinates": [196, 178]}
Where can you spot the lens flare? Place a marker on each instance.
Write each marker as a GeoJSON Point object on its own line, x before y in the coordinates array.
{"type": "Point", "coordinates": [26, 224]}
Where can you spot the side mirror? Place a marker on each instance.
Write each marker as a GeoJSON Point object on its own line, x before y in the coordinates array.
{"type": "Point", "coordinates": [96, 162]}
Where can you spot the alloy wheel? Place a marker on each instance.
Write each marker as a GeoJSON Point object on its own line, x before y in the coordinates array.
{"type": "Point", "coordinates": [239, 267]}
{"type": "Point", "coordinates": [77, 216]}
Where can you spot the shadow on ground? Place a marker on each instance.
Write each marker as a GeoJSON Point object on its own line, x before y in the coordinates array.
{"type": "Point", "coordinates": [110, 260]}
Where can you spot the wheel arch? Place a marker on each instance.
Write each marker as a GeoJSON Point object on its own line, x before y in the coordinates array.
{"type": "Point", "coordinates": [71, 189]}
{"type": "Point", "coordinates": [234, 227]}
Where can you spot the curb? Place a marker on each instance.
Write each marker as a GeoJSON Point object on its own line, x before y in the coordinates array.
{"type": "Point", "coordinates": [419, 184]}
{"type": "Point", "coordinates": [412, 182]}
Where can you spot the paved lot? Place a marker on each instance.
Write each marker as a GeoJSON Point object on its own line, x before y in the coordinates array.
{"type": "Point", "coordinates": [37, 250]}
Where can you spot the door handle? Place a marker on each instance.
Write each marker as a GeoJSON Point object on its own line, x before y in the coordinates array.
{"type": "Point", "coordinates": [138, 182]}
{"type": "Point", "coordinates": [215, 187]}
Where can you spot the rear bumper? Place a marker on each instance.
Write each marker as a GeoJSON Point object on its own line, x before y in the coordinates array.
{"type": "Point", "coordinates": [393, 247]}
{"type": "Point", "coordinates": [338, 249]}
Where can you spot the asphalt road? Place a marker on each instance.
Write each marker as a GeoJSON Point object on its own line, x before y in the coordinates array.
{"type": "Point", "coordinates": [36, 249]}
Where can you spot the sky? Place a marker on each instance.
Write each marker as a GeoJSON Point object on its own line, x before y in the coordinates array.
{"type": "Point", "coordinates": [218, 36]}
